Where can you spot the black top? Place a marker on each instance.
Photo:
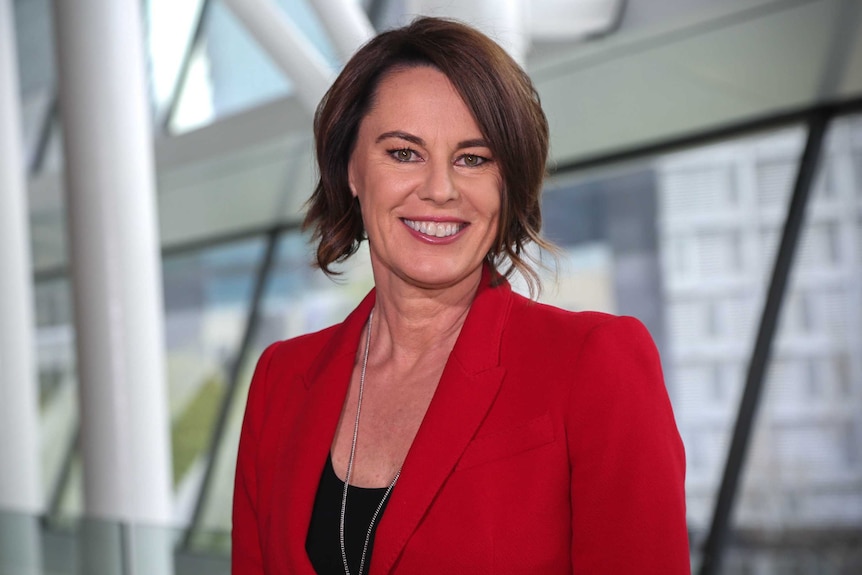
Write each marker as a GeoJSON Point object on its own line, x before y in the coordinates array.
{"type": "Point", "coordinates": [323, 544]}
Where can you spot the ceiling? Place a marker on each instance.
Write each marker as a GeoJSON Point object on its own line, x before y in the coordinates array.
{"type": "Point", "coordinates": [687, 72]}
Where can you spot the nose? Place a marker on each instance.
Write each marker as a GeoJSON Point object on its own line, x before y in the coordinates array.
{"type": "Point", "coordinates": [439, 184]}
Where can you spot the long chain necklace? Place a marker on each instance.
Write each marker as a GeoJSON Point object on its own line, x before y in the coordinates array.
{"type": "Point", "coordinates": [350, 466]}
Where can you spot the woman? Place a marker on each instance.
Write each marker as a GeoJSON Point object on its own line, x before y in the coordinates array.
{"type": "Point", "coordinates": [479, 432]}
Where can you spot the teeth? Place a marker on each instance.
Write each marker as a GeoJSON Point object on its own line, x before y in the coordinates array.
{"type": "Point", "coordinates": [436, 229]}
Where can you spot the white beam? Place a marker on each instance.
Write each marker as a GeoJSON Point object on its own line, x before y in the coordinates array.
{"type": "Point", "coordinates": [347, 24]}
{"type": "Point", "coordinates": [287, 46]}
{"type": "Point", "coordinates": [116, 271]}
{"type": "Point", "coordinates": [20, 480]}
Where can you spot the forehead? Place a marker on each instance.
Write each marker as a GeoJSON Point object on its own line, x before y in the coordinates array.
{"type": "Point", "coordinates": [419, 96]}
{"type": "Point", "coordinates": [421, 76]}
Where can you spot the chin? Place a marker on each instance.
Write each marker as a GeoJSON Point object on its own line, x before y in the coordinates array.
{"type": "Point", "coordinates": [437, 276]}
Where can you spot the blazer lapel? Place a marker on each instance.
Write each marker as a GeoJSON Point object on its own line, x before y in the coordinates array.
{"type": "Point", "coordinates": [467, 389]}
{"type": "Point", "coordinates": [308, 438]}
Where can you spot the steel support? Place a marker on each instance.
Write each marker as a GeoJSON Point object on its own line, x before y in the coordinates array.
{"type": "Point", "coordinates": [717, 538]}
{"type": "Point", "coordinates": [347, 23]}
{"type": "Point", "coordinates": [288, 48]}
{"type": "Point", "coordinates": [217, 437]}
{"type": "Point", "coordinates": [44, 139]}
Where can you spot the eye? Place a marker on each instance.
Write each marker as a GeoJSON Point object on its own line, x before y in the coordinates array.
{"type": "Point", "coordinates": [403, 154]}
{"type": "Point", "coordinates": [472, 160]}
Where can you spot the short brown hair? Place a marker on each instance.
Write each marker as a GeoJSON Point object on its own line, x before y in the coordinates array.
{"type": "Point", "coordinates": [497, 92]}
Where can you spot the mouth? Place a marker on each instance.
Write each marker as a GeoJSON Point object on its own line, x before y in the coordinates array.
{"type": "Point", "coordinates": [435, 229]}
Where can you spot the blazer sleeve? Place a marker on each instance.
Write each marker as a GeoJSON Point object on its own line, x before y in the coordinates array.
{"type": "Point", "coordinates": [246, 554]}
{"type": "Point", "coordinates": [627, 458]}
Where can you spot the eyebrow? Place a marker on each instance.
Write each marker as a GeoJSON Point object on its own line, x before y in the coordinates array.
{"type": "Point", "coordinates": [474, 143]}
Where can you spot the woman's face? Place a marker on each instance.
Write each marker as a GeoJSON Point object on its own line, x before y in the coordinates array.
{"type": "Point", "coordinates": [427, 183]}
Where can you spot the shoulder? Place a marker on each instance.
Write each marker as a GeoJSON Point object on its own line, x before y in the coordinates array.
{"type": "Point", "coordinates": [574, 326]}
{"type": "Point", "coordinates": [608, 365]}
{"type": "Point", "coordinates": [281, 364]}
{"type": "Point", "coordinates": [305, 346]}
{"type": "Point", "coordinates": [577, 343]}
{"type": "Point", "coordinates": [296, 354]}
{"type": "Point", "coordinates": [282, 360]}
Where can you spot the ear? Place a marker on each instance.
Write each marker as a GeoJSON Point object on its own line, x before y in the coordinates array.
{"type": "Point", "coordinates": [351, 177]}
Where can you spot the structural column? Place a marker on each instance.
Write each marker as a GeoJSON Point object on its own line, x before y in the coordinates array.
{"type": "Point", "coordinates": [288, 47]}
{"type": "Point", "coordinates": [347, 24]}
{"type": "Point", "coordinates": [115, 264]}
{"type": "Point", "coordinates": [20, 479]}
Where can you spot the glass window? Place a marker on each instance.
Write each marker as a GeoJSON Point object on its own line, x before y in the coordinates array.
{"type": "Point", "coordinates": [297, 299]}
{"type": "Point", "coordinates": [228, 70]}
{"type": "Point", "coordinates": [208, 293]}
{"type": "Point", "coordinates": [170, 30]}
{"type": "Point", "coordinates": [801, 496]}
{"type": "Point", "coordinates": [686, 242]}
{"type": "Point", "coordinates": [58, 397]}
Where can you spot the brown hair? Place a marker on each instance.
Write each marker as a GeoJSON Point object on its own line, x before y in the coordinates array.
{"type": "Point", "coordinates": [497, 92]}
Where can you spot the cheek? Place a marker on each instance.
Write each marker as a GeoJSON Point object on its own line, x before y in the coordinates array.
{"type": "Point", "coordinates": [496, 215]}
{"type": "Point", "coordinates": [493, 205]}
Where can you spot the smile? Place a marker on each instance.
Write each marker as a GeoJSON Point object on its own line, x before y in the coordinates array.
{"type": "Point", "coordinates": [435, 229]}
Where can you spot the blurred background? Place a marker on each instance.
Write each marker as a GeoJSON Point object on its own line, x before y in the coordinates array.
{"type": "Point", "coordinates": [705, 177]}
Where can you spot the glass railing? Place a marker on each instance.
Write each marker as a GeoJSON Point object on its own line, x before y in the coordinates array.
{"type": "Point", "coordinates": [33, 545]}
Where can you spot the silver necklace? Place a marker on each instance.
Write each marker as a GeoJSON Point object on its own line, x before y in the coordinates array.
{"type": "Point", "coordinates": [350, 465]}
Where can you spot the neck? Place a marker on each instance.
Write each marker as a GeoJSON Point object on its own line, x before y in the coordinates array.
{"type": "Point", "coordinates": [411, 322]}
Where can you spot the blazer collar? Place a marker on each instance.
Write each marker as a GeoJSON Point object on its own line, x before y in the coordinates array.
{"type": "Point", "coordinates": [343, 344]}
{"type": "Point", "coordinates": [307, 439]}
{"type": "Point", "coordinates": [465, 393]}
{"type": "Point", "coordinates": [478, 345]}
{"type": "Point", "coordinates": [477, 348]}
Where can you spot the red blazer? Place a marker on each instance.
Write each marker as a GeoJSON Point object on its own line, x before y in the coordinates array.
{"type": "Point", "coordinates": [549, 447]}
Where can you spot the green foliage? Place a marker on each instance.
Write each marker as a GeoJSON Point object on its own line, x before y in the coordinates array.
{"type": "Point", "coordinates": [192, 429]}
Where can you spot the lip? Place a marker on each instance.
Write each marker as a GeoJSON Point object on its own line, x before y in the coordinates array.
{"type": "Point", "coordinates": [437, 220]}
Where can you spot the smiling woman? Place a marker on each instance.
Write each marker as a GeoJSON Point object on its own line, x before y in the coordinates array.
{"type": "Point", "coordinates": [503, 109]}
{"type": "Point", "coordinates": [427, 185]}
{"type": "Point", "coordinates": [449, 425]}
